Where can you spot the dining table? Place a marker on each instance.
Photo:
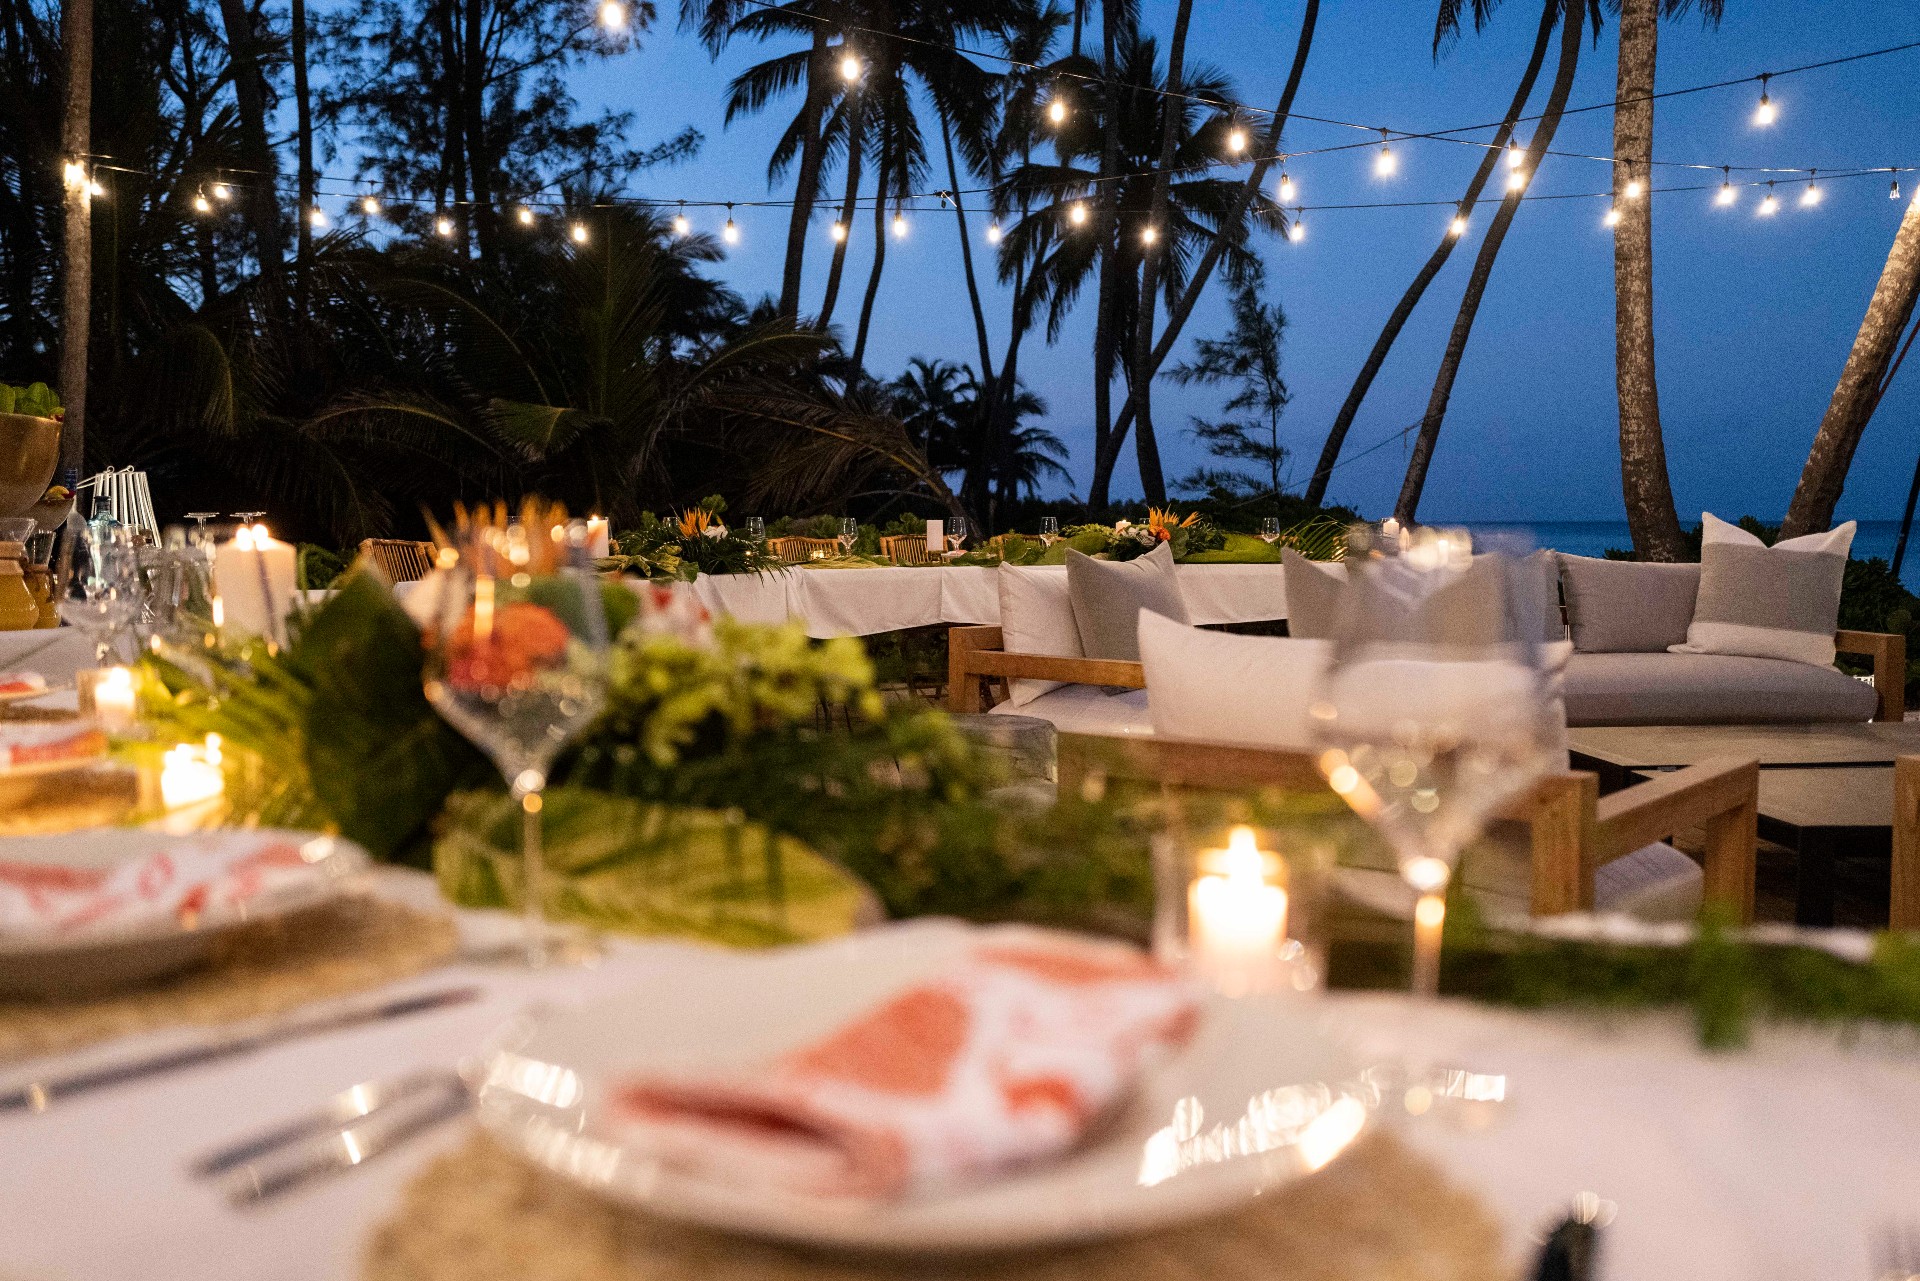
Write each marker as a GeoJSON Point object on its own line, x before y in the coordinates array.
{"type": "Point", "coordinates": [1785, 1160]}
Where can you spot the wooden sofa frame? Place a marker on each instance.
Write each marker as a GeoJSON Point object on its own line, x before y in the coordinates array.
{"type": "Point", "coordinates": [1574, 830]}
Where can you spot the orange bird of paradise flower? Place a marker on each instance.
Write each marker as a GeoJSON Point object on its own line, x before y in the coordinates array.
{"type": "Point", "coordinates": [1163, 522]}
{"type": "Point", "coordinates": [694, 522]}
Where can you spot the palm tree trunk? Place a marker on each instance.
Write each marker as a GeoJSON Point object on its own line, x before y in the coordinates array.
{"type": "Point", "coordinates": [856, 140]}
{"type": "Point", "coordinates": [806, 185]}
{"type": "Point", "coordinates": [1404, 510]}
{"type": "Point", "coordinates": [303, 140]}
{"type": "Point", "coordinates": [76, 142]}
{"type": "Point", "coordinates": [1644, 482]}
{"type": "Point", "coordinates": [1104, 449]}
{"type": "Point", "coordinates": [879, 253]}
{"type": "Point", "coordinates": [1858, 391]}
{"type": "Point", "coordinates": [1146, 447]}
{"type": "Point", "coordinates": [966, 260]}
{"type": "Point", "coordinates": [1316, 492]}
{"type": "Point", "coordinates": [473, 103]}
{"type": "Point", "coordinates": [262, 203]}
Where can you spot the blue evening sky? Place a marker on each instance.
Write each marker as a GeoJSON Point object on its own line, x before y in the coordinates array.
{"type": "Point", "coordinates": [1754, 316]}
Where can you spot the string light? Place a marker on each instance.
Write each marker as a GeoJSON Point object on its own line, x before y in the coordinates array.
{"type": "Point", "coordinates": [613, 15]}
{"type": "Point", "coordinates": [1287, 190]}
{"type": "Point", "coordinates": [1057, 110]}
{"type": "Point", "coordinates": [1612, 218]}
{"type": "Point", "coordinates": [730, 233]}
{"type": "Point", "coordinates": [444, 226]}
{"type": "Point", "coordinates": [369, 206]}
{"type": "Point", "coordinates": [1632, 190]}
{"type": "Point", "coordinates": [525, 215]}
{"type": "Point", "coordinates": [74, 174]}
{"type": "Point", "coordinates": [1516, 154]}
{"type": "Point", "coordinates": [1769, 204]}
{"type": "Point", "coordinates": [1517, 180]}
{"type": "Point", "coordinates": [1385, 163]}
{"type": "Point", "coordinates": [579, 233]}
{"type": "Point", "coordinates": [1149, 234]}
{"type": "Point", "coordinates": [994, 233]}
{"type": "Point", "coordinates": [1297, 230]}
{"type": "Point", "coordinates": [680, 224]}
{"type": "Point", "coordinates": [1766, 113]}
{"type": "Point", "coordinates": [899, 225]}
{"type": "Point", "coordinates": [1077, 213]}
{"type": "Point", "coordinates": [1236, 140]}
{"type": "Point", "coordinates": [94, 188]}
{"type": "Point", "coordinates": [849, 67]}
{"type": "Point", "coordinates": [1811, 196]}
{"type": "Point", "coordinates": [838, 231]}
{"type": "Point", "coordinates": [202, 205]}
{"type": "Point", "coordinates": [317, 216]}
{"type": "Point", "coordinates": [221, 191]}
{"type": "Point", "coordinates": [1458, 227]}
{"type": "Point", "coordinates": [1894, 194]}
{"type": "Point", "coordinates": [1726, 195]}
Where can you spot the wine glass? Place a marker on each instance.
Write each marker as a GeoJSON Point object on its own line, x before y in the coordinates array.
{"type": "Point", "coordinates": [959, 530]}
{"type": "Point", "coordinates": [849, 535]}
{"type": "Point", "coordinates": [98, 587]}
{"type": "Point", "coordinates": [1049, 528]}
{"type": "Point", "coordinates": [1269, 529]}
{"type": "Point", "coordinates": [516, 661]}
{"type": "Point", "coordinates": [756, 529]}
{"type": "Point", "coordinates": [1433, 710]}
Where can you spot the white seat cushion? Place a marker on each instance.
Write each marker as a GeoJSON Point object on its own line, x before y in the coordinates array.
{"type": "Point", "coordinates": [1220, 688]}
{"type": "Point", "coordinates": [1087, 709]}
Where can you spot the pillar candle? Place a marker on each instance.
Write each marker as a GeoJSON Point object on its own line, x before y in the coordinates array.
{"type": "Point", "coordinates": [599, 537]}
{"type": "Point", "coordinates": [254, 575]}
{"type": "Point", "coordinates": [1237, 918]}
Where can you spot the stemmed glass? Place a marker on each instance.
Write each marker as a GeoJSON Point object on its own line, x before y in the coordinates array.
{"type": "Point", "coordinates": [959, 530]}
{"type": "Point", "coordinates": [756, 529]}
{"type": "Point", "coordinates": [1049, 528]}
{"type": "Point", "coordinates": [98, 588]}
{"type": "Point", "coordinates": [1269, 529]}
{"type": "Point", "coordinates": [516, 661]}
{"type": "Point", "coordinates": [1433, 709]}
{"type": "Point", "coordinates": [849, 535]}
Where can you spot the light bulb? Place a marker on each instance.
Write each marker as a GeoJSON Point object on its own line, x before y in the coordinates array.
{"type": "Point", "coordinates": [525, 215]}
{"type": "Point", "coordinates": [993, 233]}
{"type": "Point", "coordinates": [202, 205]}
{"type": "Point", "coordinates": [613, 15]}
{"type": "Point", "coordinates": [1236, 140]}
{"type": "Point", "coordinates": [1148, 235]}
{"type": "Point", "coordinates": [443, 225]}
{"type": "Point", "coordinates": [1726, 195]}
{"type": "Point", "coordinates": [1385, 163]}
{"type": "Point", "coordinates": [1057, 111]}
{"type": "Point", "coordinates": [369, 206]}
{"type": "Point", "coordinates": [1458, 227]}
{"type": "Point", "coordinates": [1769, 204]}
{"type": "Point", "coordinates": [1516, 154]}
{"type": "Point", "coordinates": [1077, 213]}
{"type": "Point", "coordinates": [1811, 196]}
{"type": "Point", "coordinates": [1287, 190]}
{"type": "Point", "coordinates": [1517, 180]}
{"type": "Point", "coordinates": [1894, 192]}
{"type": "Point", "coordinates": [1766, 113]}
{"type": "Point", "coordinates": [680, 224]}
{"type": "Point", "coordinates": [222, 192]}
{"type": "Point", "coordinates": [579, 233]}
{"type": "Point", "coordinates": [838, 231]}
{"type": "Point", "coordinates": [730, 233]}
{"type": "Point", "coordinates": [849, 67]}
{"type": "Point", "coordinates": [73, 173]}
{"type": "Point", "coordinates": [899, 225]}
{"type": "Point", "coordinates": [1612, 218]}
{"type": "Point", "coordinates": [1297, 230]}
{"type": "Point", "coordinates": [94, 188]}
{"type": "Point", "coordinates": [317, 216]}
{"type": "Point", "coordinates": [1633, 190]}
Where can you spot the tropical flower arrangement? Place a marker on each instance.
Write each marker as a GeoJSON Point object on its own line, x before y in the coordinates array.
{"type": "Point", "coordinates": [680, 548]}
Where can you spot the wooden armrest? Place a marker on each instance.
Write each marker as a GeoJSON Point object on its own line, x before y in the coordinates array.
{"type": "Point", "coordinates": [973, 652]}
{"type": "Point", "coordinates": [1721, 794]}
{"type": "Point", "coordinates": [1888, 650]}
{"type": "Point", "coordinates": [963, 684]}
{"type": "Point", "coordinates": [1186, 763]}
{"type": "Point", "coordinates": [1905, 910]}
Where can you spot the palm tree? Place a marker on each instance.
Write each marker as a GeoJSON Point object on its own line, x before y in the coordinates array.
{"type": "Point", "coordinates": [1571, 21]}
{"type": "Point", "coordinates": [1446, 31]}
{"type": "Point", "coordinates": [261, 200]}
{"type": "Point", "coordinates": [1644, 482]}
{"type": "Point", "coordinates": [76, 133]}
{"type": "Point", "coordinates": [1862, 381]}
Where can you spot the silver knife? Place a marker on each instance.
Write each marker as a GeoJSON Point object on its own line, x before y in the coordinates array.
{"type": "Point", "coordinates": [349, 1107]}
{"type": "Point", "coordinates": [348, 1146]}
{"type": "Point", "coordinates": [38, 1096]}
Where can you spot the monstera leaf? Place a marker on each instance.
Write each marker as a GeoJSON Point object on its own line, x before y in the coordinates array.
{"type": "Point", "coordinates": [382, 762]}
{"type": "Point", "coordinates": [645, 868]}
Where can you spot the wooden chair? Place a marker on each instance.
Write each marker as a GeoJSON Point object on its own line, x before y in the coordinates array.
{"type": "Point", "coordinates": [1573, 830]}
{"type": "Point", "coordinates": [907, 549]}
{"type": "Point", "coordinates": [400, 559]}
{"type": "Point", "coordinates": [1904, 908]}
{"type": "Point", "coordinates": [795, 550]}
{"type": "Point", "coordinates": [1889, 654]}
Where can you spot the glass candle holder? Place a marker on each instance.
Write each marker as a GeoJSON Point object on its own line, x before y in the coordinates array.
{"type": "Point", "coordinates": [1242, 914]}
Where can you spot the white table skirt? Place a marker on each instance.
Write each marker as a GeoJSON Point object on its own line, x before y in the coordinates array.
{"type": "Point", "coordinates": [1773, 1164]}
{"type": "Point", "coordinates": [54, 652]}
{"type": "Point", "coordinates": [863, 602]}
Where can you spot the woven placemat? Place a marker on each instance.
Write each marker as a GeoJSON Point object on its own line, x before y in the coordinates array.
{"type": "Point", "coordinates": [1380, 1213]}
{"type": "Point", "coordinates": [346, 946]}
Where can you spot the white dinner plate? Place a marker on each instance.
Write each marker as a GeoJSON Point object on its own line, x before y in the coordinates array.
{"type": "Point", "coordinates": [26, 695]}
{"type": "Point", "coordinates": [84, 964]}
{"type": "Point", "coordinates": [1260, 1097]}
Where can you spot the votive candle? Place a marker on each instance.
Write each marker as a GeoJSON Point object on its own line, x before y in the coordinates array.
{"type": "Point", "coordinates": [1237, 918]}
{"type": "Point", "coordinates": [114, 705]}
{"type": "Point", "coordinates": [599, 537]}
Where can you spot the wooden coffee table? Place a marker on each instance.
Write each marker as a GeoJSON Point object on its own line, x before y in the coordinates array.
{"type": "Point", "coordinates": [1825, 790]}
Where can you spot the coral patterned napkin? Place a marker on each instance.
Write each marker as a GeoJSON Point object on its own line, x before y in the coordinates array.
{"type": "Point", "coordinates": [13, 684]}
{"type": "Point", "coordinates": [178, 882]}
{"type": "Point", "coordinates": [32, 746]}
{"type": "Point", "coordinates": [1005, 1057]}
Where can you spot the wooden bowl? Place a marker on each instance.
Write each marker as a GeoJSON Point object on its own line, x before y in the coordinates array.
{"type": "Point", "coordinates": [29, 453]}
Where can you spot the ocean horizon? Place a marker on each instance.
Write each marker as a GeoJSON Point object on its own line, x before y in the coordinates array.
{"type": "Point", "coordinates": [1597, 537]}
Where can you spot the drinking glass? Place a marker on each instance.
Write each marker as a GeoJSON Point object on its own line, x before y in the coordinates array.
{"type": "Point", "coordinates": [1049, 528]}
{"type": "Point", "coordinates": [959, 530]}
{"type": "Point", "coordinates": [756, 529]}
{"type": "Point", "coordinates": [98, 587]}
{"type": "Point", "coordinates": [849, 535]}
{"type": "Point", "coordinates": [516, 661]}
{"type": "Point", "coordinates": [1269, 529]}
{"type": "Point", "coordinates": [1433, 709]}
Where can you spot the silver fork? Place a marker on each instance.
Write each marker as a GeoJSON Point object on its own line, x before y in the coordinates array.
{"type": "Point", "coordinates": [1896, 1253]}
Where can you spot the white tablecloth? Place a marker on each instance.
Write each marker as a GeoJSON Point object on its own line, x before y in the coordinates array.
{"type": "Point", "coordinates": [54, 652]}
{"type": "Point", "coordinates": [863, 602]}
{"type": "Point", "coordinates": [1778, 1163]}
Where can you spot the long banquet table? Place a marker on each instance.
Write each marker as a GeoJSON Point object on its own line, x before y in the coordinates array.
{"type": "Point", "coordinates": [863, 602]}
{"type": "Point", "coordinates": [1777, 1163]}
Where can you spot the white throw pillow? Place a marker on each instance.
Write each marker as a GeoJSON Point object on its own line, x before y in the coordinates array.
{"type": "Point", "coordinates": [1221, 688]}
{"type": "Point", "coordinates": [1768, 602]}
{"type": "Point", "coordinates": [1036, 617]}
